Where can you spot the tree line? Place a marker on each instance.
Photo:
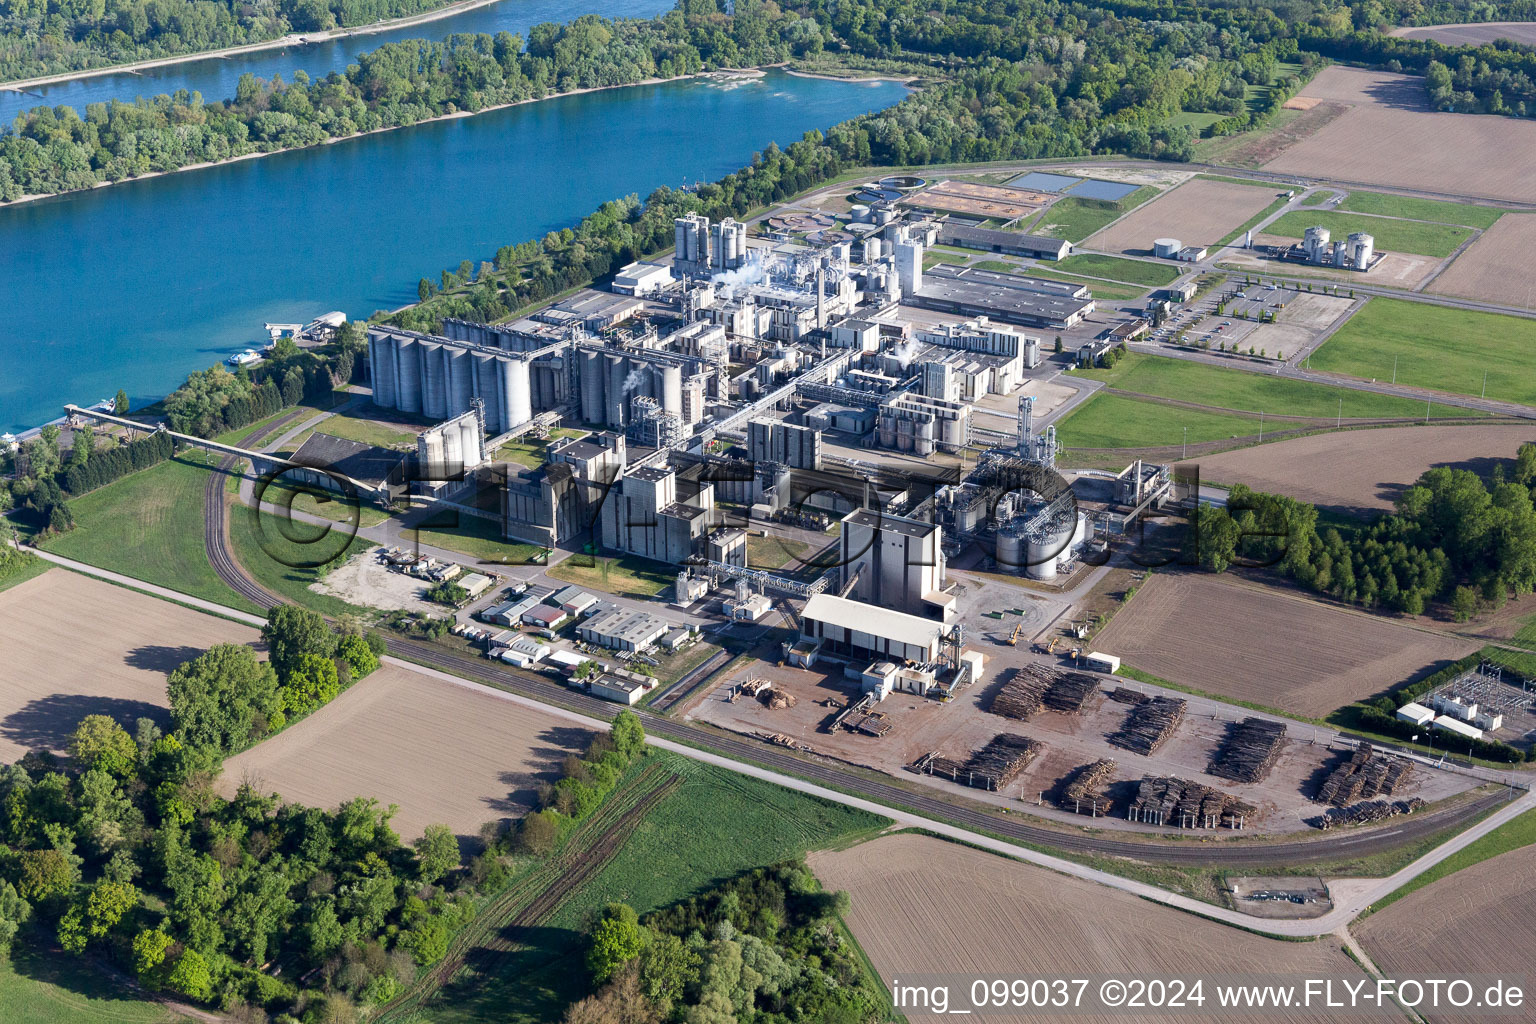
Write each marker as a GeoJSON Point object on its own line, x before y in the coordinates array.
{"type": "Point", "coordinates": [764, 947]}
{"type": "Point", "coordinates": [124, 849]}
{"type": "Point", "coordinates": [1453, 538]}
{"type": "Point", "coordinates": [46, 37]}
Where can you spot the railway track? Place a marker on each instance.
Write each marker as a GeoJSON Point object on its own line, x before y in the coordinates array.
{"type": "Point", "coordinates": [216, 516]}
{"type": "Point", "coordinates": [1192, 852]}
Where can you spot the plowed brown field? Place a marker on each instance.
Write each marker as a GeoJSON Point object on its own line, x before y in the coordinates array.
{"type": "Point", "coordinates": [1390, 137]}
{"type": "Point", "coordinates": [1474, 34]}
{"type": "Point", "coordinates": [73, 646]}
{"type": "Point", "coordinates": [1198, 212]}
{"type": "Point", "coordinates": [1496, 267]}
{"type": "Point", "coordinates": [443, 753]}
{"type": "Point", "coordinates": [1362, 469]}
{"type": "Point", "coordinates": [1476, 921]}
{"type": "Point", "coordinates": [925, 907]}
{"type": "Point", "coordinates": [1258, 645]}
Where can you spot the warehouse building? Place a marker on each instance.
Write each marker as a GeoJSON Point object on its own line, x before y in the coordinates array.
{"type": "Point", "coordinates": [1011, 243]}
{"type": "Point", "coordinates": [624, 629]}
{"type": "Point", "coordinates": [378, 473]}
{"type": "Point", "coordinates": [968, 292]}
{"type": "Point", "coordinates": [868, 632]}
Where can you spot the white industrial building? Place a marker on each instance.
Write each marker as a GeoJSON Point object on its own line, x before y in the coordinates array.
{"type": "Point", "coordinates": [866, 631]}
{"type": "Point", "coordinates": [894, 562]}
{"type": "Point", "coordinates": [641, 278]}
{"type": "Point", "coordinates": [624, 629]}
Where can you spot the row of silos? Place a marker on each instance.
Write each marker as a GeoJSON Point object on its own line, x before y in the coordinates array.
{"type": "Point", "coordinates": [439, 379]}
{"type": "Point", "coordinates": [1037, 553]}
{"type": "Point", "coordinates": [611, 380]}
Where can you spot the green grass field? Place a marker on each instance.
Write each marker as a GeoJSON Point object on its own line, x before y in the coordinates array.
{"type": "Point", "coordinates": [1117, 268]}
{"type": "Point", "coordinates": [354, 427]}
{"type": "Point", "coordinates": [1391, 235]}
{"type": "Point", "coordinates": [933, 258]}
{"type": "Point", "coordinates": [1436, 347]}
{"type": "Point", "coordinates": [1114, 421]}
{"type": "Point", "coordinates": [1076, 219]}
{"type": "Point", "coordinates": [1184, 380]}
{"type": "Point", "coordinates": [21, 571]}
{"type": "Point", "coordinates": [278, 554]}
{"type": "Point", "coordinates": [1100, 289]}
{"type": "Point", "coordinates": [530, 451]}
{"type": "Point", "coordinates": [774, 552]}
{"type": "Point", "coordinates": [1421, 209]}
{"type": "Point", "coordinates": [60, 989]}
{"type": "Point", "coordinates": [714, 826]}
{"type": "Point", "coordinates": [479, 539]}
{"type": "Point", "coordinates": [150, 526]}
{"type": "Point", "coordinates": [625, 575]}
{"type": "Point", "coordinates": [320, 503]}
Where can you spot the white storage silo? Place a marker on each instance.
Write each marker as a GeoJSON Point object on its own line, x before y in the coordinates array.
{"type": "Point", "coordinates": [1166, 248]}
{"type": "Point", "coordinates": [1010, 548]}
{"type": "Point", "coordinates": [672, 389]}
{"type": "Point", "coordinates": [1361, 248]}
{"type": "Point", "coordinates": [434, 386]}
{"type": "Point", "coordinates": [519, 394]}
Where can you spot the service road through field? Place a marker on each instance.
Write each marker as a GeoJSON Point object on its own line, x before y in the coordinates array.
{"type": "Point", "coordinates": [922, 906]}
{"type": "Point", "coordinates": [444, 754]}
{"type": "Point", "coordinates": [1254, 644]}
{"type": "Point", "coordinates": [74, 646]}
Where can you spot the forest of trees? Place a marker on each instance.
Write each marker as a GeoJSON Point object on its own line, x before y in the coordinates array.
{"type": "Point", "coordinates": [1454, 537]}
{"type": "Point", "coordinates": [46, 37]}
{"type": "Point", "coordinates": [125, 851]}
{"type": "Point", "coordinates": [762, 948]}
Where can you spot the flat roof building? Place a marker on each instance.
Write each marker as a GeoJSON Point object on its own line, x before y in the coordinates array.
{"type": "Point", "coordinates": [380, 470]}
{"type": "Point", "coordinates": [624, 629]}
{"type": "Point", "coordinates": [996, 297]}
{"type": "Point", "coordinates": [1012, 243]}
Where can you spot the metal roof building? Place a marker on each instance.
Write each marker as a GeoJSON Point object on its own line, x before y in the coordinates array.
{"type": "Point", "coordinates": [624, 629]}
{"type": "Point", "coordinates": [870, 631]}
{"type": "Point", "coordinates": [1011, 242]}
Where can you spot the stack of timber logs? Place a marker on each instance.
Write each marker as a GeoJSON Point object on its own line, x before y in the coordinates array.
{"type": "Point", "coordinates": [1185, 804]}
{"type": "Point", "coordinates": [1250, 751]}
{"type": "Point", "coordinates": [1149, 724]}
{"type": "Point", "coordinates": [1023, 694]}
{"type": "Point", "coordinates": [1364, 775]}
{"type": "Point", "coordinates": [1083, 792]}
{"type": "Point", "coordinates": [1365, 813]}
{"type": "Point", "coordinates": [1070, 692]}
{"type": "Point", "coordinates": [992, 767]}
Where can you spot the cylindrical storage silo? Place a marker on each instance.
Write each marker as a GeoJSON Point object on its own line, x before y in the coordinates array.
{"type": "Point", "coordinates": [616, 400]}
{"type": "Point", "coordinates": [470, 442]}
{"type": "Point", "coordinates": [461, 385]}
{"type": "Point", "coordinates": [860, 213]}
{"type": "Point", "coordinates": [872, 249]}
{"type": "Point", "coordinates": [453, 454]}
{"type": "Point", "coordinates": [488, 388]}
{"type": "Point", "coordinates": [1010, 549]}
{"type": "Point", "coordinates": [381, 369]}
{"type": "Point", "coordinates": [592, 372]}
{"type": "Point", "coordinates": [408, 375]}
{"type": "Point", "coordinates": [672, 389]}
{"type": "Point", "coordinates": [1166, 248]}
{"type": "Point", "coordinates": [434, 385]}
{"type": "Point", "coordinates": [924, 437]}
{"type": "Point", "coordinates": [1046, 549]}
{"type": "Point", "coordinates": [519, 393]}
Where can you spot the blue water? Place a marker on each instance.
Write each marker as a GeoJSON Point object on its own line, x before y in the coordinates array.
{"type": "Point", "coordinates": [135, 285]}
{"type": "Point", "coordinates": [1093, 188]}
{"type": "Point", "coordinates": [1044, 182]}
{"type": "Point", "coordinates": [215, 78]}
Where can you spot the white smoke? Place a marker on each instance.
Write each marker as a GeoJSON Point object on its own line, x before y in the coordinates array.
{"type": "Point", "coordinates": [905, 352]}
{"type": "Point", "coordinates": [754, 271]}
{"type": "Point", "coordinates": [635, 379]}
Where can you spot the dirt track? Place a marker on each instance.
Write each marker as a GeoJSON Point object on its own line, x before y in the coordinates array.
{"type": "Point", "coordinates": [925, 907]}
{"type": "Point", "coordinates": [445, 754]}
{"type": "Point", "coordinates": [1363, 469]}
{"type": "Point", "coordinates": [1261, 646]}
{"type": "Point", "coordinates": [75, 646]}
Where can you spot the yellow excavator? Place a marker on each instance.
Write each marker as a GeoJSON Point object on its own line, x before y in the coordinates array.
{"type": "Point", "coordinates": [1013, 641]}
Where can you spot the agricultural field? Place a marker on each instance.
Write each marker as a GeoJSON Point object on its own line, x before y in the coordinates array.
{"type": "Point", "coordinates": [1362, 470]}
{"type": "Point", "coordinates": [939, 908]}
{"type": "Point", "coordinates": [149, 525]}
{"type": "Point", "coordinates": [1185, 380]}
{"type": "Point", "coordinates": [1465, 924]}
{"type": "Point", "coordinates": [706, 825]}
{"type": "Point", "coordinates": [1199, 630]}
{"type": "Point", "coordinates": [1436, 347]}
{"type": "Point", "coordinates": [1115, 421]}
{"type": "Point", "coordinates": [1117, 269]}
{"type": "Point", "coordinates": [52, 989]}
{"type": "Point", "coordinates": [1384, 204]}
{"type": "Point", "coordinates": [444, 753]}
{"type": "Point", "coordinates": [1523, 32]}
{"type": "Point", "coordinates": [76, 646]}
{"type": "Point", "coordinates": [1420, 237]}
{"type": "Point", "coordinates": [1075, 219]}
{"type": "Point", "coordinates": [1198, 212]}
{"type": "Point", "coordinates": [1389, 136]}
{"type": "Point", "coordinates": [1496, 267]}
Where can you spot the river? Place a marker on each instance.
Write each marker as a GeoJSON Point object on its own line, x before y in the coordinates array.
{"type": "Point", "coordinates": [135, 285]}
{"type": "Point", "coordinates": [215, 77]}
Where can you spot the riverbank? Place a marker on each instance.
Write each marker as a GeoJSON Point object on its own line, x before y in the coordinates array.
{"type": "Point", "coordinates": [292, 39]}
{"type": "Point", "coordinates": [735, 74]}
{"type": "Point", "coordinates": [905, 80]}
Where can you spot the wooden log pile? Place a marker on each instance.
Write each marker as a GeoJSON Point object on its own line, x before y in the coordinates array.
{"type": "Point", "coordinates": [1126, 695]}
{"type": "Point", "coordinates": [992, 767]}
{"type": "Point", "coordinates": [1083, 791]}
{"type": "Point", "coordinates": [1023, 694]}
{"type": "Point", "coordinates": [1365, 813]}
{"type": "Point", "coordinates": [778, 700]}
{"type": "Point", "coordinates": [1365, 774]}
{"type": "Point", "coordinates": [1251, 749]}
{"type": "Point", "coordinates": [1070, 692]}
{"type": "Point", "coordinates": [1178, 802]}
{"type": "Point", "coordinates": [1149, 724]}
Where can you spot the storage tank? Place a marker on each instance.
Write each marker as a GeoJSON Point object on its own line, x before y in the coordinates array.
{"type": "Point", "coordinates": [593, 375]}
{"type": "Point", "coordinates": [1045, 549]}
{"type": "Point", "coordinates": [381, 370]}
{"type": "Point", "coordinates": [1031, 352]}
{"type": "Point", "coordinates": [408, 379]}
{"type": "Point", "coordinates": [860, 213]}
{"type": "Point", "coordinates": [872, 249]}
{"type": "Point", "coordinates": [1361, 248]}
{"type": "Point", "coordinates": [1010, 548]}
{"type": "Point", "coordinates": [672, 389]}
{"type": "Point", "coordinates": [615, 398]}
{"type": "Point", "coordinates": [452, 463]}
{"type": "Point", "coordinates": [434, 385]}
{"type": "Point", "coordinates": [471, 442]}
{"type": "Point", "coordinates": [1314, 242]}
{"type": "Point", "coordinates": [883, 215]}
{"type": "Point", "coordinates": [519, 394]}
{"type": "Point", "coordinates": [1166, 248]}
{"type": "Point", "coordinates": [461, 380]}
